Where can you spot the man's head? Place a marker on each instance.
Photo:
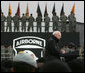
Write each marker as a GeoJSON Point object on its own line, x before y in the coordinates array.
{"type": "Point", "coordinates": [54, 14]}
{"type": "Point", "coordinates": [2, 13]}
{"type": "Point", "coordinates": [9, 14]}
{"type": "Point", "coordinates": [40, 62]}
{"type": "Point", "coordinates": [47, 14]}
{"type": "Point", "coordinates": [24, 61]}
{"type": "Point", "coordinates": [55, 66]}
{"type": "Point", "coordinates": [15, 13]}
{"type": "Point", "coordinates": [31, 54]}
{"type": "Point", "coordinates": [23, 14]}
{"type": "Point", "coordinates": [30, 14]}
{"type": "Point", "coordinates": [57, 34]}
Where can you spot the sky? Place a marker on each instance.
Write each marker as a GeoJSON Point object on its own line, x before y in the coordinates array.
{"type": "Point", "coordinates": [79, 8]}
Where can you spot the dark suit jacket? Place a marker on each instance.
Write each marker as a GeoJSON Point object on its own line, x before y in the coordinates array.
{"type": "Point", "coordinates": [52, 48]}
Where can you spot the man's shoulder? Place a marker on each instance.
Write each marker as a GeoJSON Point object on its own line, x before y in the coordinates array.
{"type": "Point", "coordinates": [51, 40]}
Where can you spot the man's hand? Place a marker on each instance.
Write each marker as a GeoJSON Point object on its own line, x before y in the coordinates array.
{"type": "Point", "coordinates": [63, 51]}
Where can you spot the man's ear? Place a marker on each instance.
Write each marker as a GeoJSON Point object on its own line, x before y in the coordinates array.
{"type": "Point", "coordinates": [12, 69]}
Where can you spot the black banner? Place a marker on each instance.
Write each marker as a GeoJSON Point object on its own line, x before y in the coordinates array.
{"type": "Point", "coordinates": [7, 38]}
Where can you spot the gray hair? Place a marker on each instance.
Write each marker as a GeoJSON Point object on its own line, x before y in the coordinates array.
{"type": "Point", "coordinates": [56, 32]}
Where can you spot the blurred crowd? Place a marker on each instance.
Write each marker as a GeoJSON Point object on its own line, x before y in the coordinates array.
{"type": "Point", "coordinates": [65, 64]}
